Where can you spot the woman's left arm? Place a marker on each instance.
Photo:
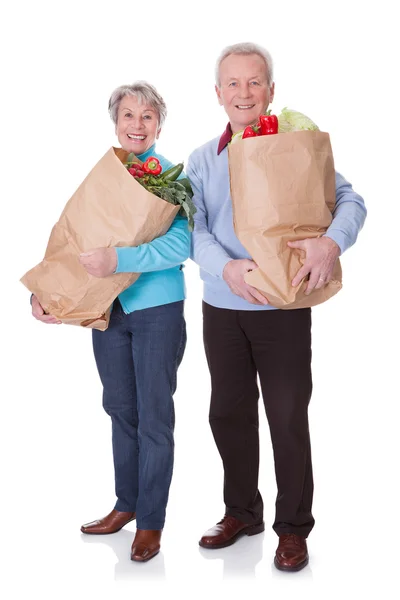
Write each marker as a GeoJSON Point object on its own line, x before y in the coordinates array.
{"type": "Point", "coordinates": [165, 252]}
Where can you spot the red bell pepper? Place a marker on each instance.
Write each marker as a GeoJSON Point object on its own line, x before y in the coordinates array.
{"type": "Point", "coordinates": [268, 124]}
{"type": "Point", "coordinates": [152, 166]}
{"type": "Point", "coordinates": [250, 131]}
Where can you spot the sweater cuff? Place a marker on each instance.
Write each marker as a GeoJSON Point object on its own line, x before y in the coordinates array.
{"type": "Point", "coordinates": [125, 259]}
{"type": "Point", "coordinates": [219, 265]}
{"type": "Point", "coordinates": [339, 237]}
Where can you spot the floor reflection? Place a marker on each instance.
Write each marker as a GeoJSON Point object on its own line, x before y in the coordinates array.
{"type": "Point", "coordinates": [240, 559]}
{"type": "Point", "coordinates": [120, 543]}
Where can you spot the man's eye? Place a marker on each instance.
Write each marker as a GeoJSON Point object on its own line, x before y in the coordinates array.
{"type": "Point", "coordinates": [254, 83]}
{"type": "Point", "coordinates": [233, 84]}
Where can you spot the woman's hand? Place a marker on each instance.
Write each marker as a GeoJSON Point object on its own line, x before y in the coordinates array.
{"type": "Point", "coordinates": [40, 315]}
{"type": "Point", "coordinates": [99, 262]}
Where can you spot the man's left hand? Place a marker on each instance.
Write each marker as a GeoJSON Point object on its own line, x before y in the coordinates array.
{"type": "Point", "coordinates": [99, 262]}
{"type": "Point", "coordinates": [320, 258]}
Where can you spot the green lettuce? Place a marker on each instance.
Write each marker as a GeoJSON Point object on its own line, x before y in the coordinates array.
{"type": "Point", "coordinates": [237, 136]}
{"type": "Point", "coordinates": [292, 120]}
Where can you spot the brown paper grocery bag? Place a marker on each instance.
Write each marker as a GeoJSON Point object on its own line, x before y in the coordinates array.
{"type": "Point", "coordinates": [110, 208]}
{"type": "Point", "coordinates": [283, 189]}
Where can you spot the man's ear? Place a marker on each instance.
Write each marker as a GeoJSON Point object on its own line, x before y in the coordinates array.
{"type": "Point", "coordinates": [272, 91]}
{"type": "Point", "coordinates": [218, 92]}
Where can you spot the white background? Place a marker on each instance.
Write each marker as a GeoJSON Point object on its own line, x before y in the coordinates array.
{"type": "Point", "coordinates": [338, 63]}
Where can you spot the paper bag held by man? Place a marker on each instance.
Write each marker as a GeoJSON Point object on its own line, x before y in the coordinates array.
{"type": "Point", "coordinates": [283, 189]}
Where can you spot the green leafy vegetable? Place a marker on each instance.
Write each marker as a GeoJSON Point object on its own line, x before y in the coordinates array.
{"type": "Point", "coordinates": [292, 120]}
{"type": "Point", "coordinates": [177, 193]}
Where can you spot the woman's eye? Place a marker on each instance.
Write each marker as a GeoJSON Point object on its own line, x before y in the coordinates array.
{"type": "Point", "coordinates": [147, 117]}
{"type": "Point", "coordinates": [128, 114]}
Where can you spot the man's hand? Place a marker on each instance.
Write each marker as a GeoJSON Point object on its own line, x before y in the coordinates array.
{"type": "Point", "coordinates": [99, 262]}
{"type": "Point", "coordinates": [234, 273]}
{"type": "Point", "coordinates": [40, 315]}
{"type": "Point", "coordinates": [321, 255]}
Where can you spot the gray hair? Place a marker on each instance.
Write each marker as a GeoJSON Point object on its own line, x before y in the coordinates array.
{"type": "Point", "coordinates": [145, 93]}
{"type": "Point", "coordinates": [244, 49]}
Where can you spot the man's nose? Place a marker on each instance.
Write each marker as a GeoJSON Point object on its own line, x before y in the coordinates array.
{"type": "Point", "coordinates": [246, 90]}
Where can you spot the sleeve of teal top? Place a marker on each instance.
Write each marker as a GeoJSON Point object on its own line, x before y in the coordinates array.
{"type": "Point", "coordinates": [165, 252]}
{"type": "Point", "coordinates": [205, 251]}
{"type": "Point", "coordinates": [348, 216]}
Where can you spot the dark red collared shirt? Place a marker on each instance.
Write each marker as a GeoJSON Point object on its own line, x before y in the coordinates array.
{"type": "Point", "coordinates": [225, 138]}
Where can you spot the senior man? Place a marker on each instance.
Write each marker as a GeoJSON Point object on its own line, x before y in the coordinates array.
{"type": "Point", "coordinates": [245, 336]}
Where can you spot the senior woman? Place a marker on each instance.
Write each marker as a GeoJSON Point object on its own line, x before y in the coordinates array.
{"type": "Point", "coordinates": [138, 355]}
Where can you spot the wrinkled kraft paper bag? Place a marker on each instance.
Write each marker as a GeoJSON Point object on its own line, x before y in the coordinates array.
{"type": "Point", "coordinates": [283, 189]}
{"type": "Point", "coordinates": [110, 208]}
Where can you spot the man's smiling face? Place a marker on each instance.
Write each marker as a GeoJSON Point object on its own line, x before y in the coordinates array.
{"type": "Point", "coordinates": [243, 89]}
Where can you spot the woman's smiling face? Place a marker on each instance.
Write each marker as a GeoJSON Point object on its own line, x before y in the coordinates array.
{"type": "Point", "coordinates": [137, 125]}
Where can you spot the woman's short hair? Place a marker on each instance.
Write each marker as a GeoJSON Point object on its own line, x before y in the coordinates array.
{"type": "Point", "coordinates": [145, 93]}
{"type": "Point", "coordinates": [246, 48]}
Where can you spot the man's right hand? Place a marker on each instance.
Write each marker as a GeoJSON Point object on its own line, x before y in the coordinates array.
{"type": "Point", "coordinates": [40, 315]}
{"type": "Point", "coordinates": [234, 273]}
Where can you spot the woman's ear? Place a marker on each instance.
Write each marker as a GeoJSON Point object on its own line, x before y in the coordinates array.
{"type": "Point", "coordinates": [158, 133]}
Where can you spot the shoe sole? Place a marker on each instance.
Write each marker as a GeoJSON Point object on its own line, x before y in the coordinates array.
{"type": "Point", "coordinates": [294, 569]}
{"type": "Point", "coordinates": [107, 532]}
{"type": "Point", "coordinates": [251, 530]}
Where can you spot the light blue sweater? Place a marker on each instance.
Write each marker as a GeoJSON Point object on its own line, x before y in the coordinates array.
{"type": "Point", "coordinates": [214, 242]}
{"type": "Point", "coordinates": [159, 262]}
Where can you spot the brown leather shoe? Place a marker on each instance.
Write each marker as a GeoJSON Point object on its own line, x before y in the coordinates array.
{"type": "Point", "coordinates": [227, 531]}
{"type": "Point", "coordinates": [291, 554]}
{"type": "Point", "coordinates": [110, 524]}
{"type": "Point", "coordinates": [146, 544]}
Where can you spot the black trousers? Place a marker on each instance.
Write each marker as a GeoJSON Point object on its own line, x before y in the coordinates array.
{"type": "Point", "coordinates": [276, 345]}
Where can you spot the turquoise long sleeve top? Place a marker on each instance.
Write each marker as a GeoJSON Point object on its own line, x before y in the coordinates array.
{"type": "Point", "coordinates": [160, 262]}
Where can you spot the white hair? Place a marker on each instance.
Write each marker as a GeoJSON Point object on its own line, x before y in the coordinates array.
{"type": "Point", "coordinates": [246, 48]}
{"type": "Point", "coordinates": [144, 92]}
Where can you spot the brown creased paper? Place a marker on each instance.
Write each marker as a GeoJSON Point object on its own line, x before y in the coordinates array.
{"type": "Point", "coordinates": [110, 208]}
{"type": "Point", "coordinates": [283, 189]}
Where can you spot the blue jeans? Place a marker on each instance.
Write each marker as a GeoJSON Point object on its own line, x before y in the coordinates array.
{"type": "Point", "coordinates": [137, 358]}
